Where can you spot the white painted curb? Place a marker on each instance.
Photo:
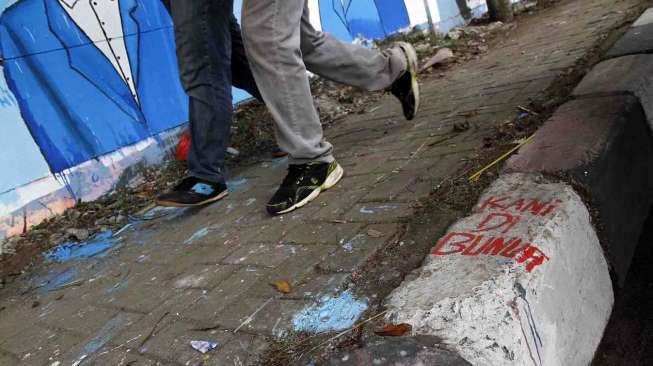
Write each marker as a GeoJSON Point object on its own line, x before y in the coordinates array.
{"type": "Point", "coordinates": [542, 296]}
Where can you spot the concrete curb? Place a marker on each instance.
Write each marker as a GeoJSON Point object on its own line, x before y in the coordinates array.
{"type": "Point", "coordinates": [504, 286]}
{"type": "Point", "coordinates": [525, 278]}
{"type": "Point", "coordinates": [637, 40]}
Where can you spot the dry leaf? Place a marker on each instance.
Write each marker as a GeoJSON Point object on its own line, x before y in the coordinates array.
{"type": "Point", "coordinates": [282, 286]}
{"type": "Point", "coordinates": [374, 233]}
{"type": "Point", "coordinates": [394, 330]}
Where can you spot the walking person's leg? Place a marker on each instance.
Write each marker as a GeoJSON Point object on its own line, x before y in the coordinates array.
{"type": "Point", "coordinates": [203, 34]}
{"type": "Point", "coordinates": [394, 69]}
{"type": "Point", "coordinates": [275, 44]}
{"type": "Point", "coordinates": [241, 73]}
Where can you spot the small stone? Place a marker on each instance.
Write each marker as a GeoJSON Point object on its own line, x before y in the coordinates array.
{"type": "Point", "coordinates": [79, 234]}
{"type": "Point", "coordinates": [74, 214]}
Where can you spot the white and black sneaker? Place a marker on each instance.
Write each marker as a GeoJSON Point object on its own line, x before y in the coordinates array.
{"type": "Point", "coordinates": [406, 87]}
{"type": "Point", "coordinates": [303, 184]}
{"type": "Point", "coordinates": [192, 191]}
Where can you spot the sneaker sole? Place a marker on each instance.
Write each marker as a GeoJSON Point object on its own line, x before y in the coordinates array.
{"type": "Point", "coordinates": [330, 181]}
{"type": "Point", "coordinates": [205, 202]}
{"type": "Point", "coordinates": [411, 54]}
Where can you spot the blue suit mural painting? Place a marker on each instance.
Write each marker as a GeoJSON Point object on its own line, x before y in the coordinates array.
{"type": "Point", "coordinates": [75, 102]}
{"type": "Point", "coordinates": [89, 86]}
{"type": "Point", "coordinates": [372, 19]}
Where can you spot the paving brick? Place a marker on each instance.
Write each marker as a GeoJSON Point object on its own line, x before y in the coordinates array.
{"type": "Point", "coordinates": [167, 313]}
{"type": "Point", "coordinates": [8, 360]}
{"type": "Point", "coordinates": [210, 304]}
{"type": "Point", "coordinates": [293, 270]}
{"type": "Point", "coordinates": [268, 317]}
{"type": "Point", "coordinates": [365, 164]}
{"type": "Point", "coordinates": [334, 203]}
{"type": "Point", "coordinates": [16, 315]}
{"type": "Point", "coordinates": [173, 343]}
{"type": "Point", "coordinates": [264, 255]}
{"type": "Point", "coordinates": [89, 348]}
{"type": "Point", "coordinates": [353, 254]}
{"type": "Point", "coordinates": [121, 356]}
{"type": "Point", "coordinates": [391, 186]}
{"type": "Point", "coordinates": [379, 212]}
{"type": "Point", "coordinates": [204, 277]}
{"type": "Point", "coordinates": [136, 298]}
{"type": "Point", "coordinates": [322, 233]}
{"type": "Point", "coordinates": [75, 316]}
{"type": "Point", "coordinates": [315, 285]}
{"type": "Point", "coordinates": [213, 253]}
{"type": "Point", "coordinates": [39, 346]}
{"type": "Point", "coordinates": [272, 231]}
{"type": "Point", "coordinates": [418, 188]}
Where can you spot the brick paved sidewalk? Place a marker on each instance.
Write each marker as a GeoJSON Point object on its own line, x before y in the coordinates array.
{"type": "Point", "coordinates": [205, 274]}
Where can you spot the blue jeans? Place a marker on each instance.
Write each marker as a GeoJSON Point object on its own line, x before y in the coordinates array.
{"type": "Point", "coordinates": [211, 59]}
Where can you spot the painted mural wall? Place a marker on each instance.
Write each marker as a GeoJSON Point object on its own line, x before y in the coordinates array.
{"type": "Point", "coordinates": [90, 87]}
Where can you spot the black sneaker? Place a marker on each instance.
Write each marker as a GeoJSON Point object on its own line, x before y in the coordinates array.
{"type": "Point", "coordinates": [191, 192]}
{"type": "Point", "coordinates": [303, 184]}
{"type": "Point", "coordinates": [406, 87]}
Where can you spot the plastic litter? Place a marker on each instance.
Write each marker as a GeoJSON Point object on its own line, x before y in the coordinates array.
{"type": "Point", "coordinates": [203, 346]}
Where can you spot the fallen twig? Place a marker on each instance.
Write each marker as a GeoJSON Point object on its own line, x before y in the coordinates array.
{"type": "Point", "coordinates": [251, 317]}
{"type": "Point", "coordinates": [524, 109]}
{"type": "Point", "coordinates": [474, 177]}
{"type": "Point", "coordinates": [151, 333]}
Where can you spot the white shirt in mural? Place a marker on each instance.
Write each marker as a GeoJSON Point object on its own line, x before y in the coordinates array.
{"type": "Point", "coordinates": [100, 20]}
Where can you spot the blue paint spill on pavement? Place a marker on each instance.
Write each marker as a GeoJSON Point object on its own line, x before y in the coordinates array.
{"type": "Point", "coordinates": [353, 243]}
{"type": "Point", "coordinates": [119, 286]}
{"type": "Point", "coordinates": [55, 279]}
{"type": "Point", "coordinates": [373, 209]}
{"type": "Point", "coordinates": [95, 247]}
{"type": "Point", "coordinates": [230, 207]}
{"type": "Point", "coordinates": [198, 235]}
{"type": "Point", "coordinates": [108, 331]}
{"type": "Point", "coordinates": [236, 184]}
{"type": "Point", "coordinates": [250, 201]}
{"type": "Point", "coordinates": [330, 314]}
{"type": "Point", "coordinates": [170, 213]}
